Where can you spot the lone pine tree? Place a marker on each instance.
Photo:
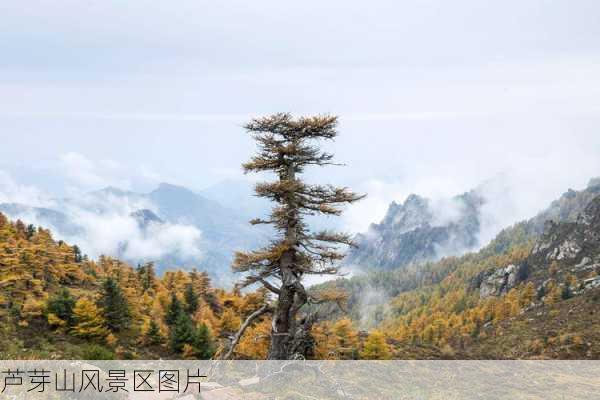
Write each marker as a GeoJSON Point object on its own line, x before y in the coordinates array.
{"type": "Point", "coordinates": [286, 147]}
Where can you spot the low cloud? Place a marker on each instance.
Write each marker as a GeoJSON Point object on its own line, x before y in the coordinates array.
{"type": "Point", "coordinates": [121, 235]}
{"type": "Point", "coordinates": [87, 174]}
{"type": "Point", "coordinates": [82, 174]}
{"type": "Point", "coordinates": [447, 210]}
{"type": "Point", "coordinates": [102, 222]}
{"type": "Point", "coordinates": [13, 192]}
{"type": "Point", "coordinates": [373, 305]}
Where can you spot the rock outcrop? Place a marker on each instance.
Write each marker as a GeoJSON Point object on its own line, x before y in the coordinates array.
{"type": "Point", "coordinates": [572, 243]}
{"type": "Point", "coordinates": [500, 281]}
{"type": "Point", "coordinates": [567, 208]}
{"type": "Point", "coordinates": [145, 217]}
{"type": "Point", "coordinates": [572, 247]}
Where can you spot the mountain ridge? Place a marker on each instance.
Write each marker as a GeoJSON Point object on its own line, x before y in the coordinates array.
{"type": "Point", "coordinates": [415, 231]}
{"type": "Point", "coordinates": [419, 230]}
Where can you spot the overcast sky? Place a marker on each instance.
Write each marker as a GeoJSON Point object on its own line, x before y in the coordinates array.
{"type": "Point", "coordinates": [433, 96]}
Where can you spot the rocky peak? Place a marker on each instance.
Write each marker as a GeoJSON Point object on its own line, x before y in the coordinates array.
{"type": "Point", "coordinates": [145, 217]}
{"type": "Point", "coordinates": [415, 212]}
{"type": "Point", "coordinates": [594, 182]}
{"type": "Point", "coordinates": [567, 208]}
{"type": "Point", "coordinates": [591, 215]}
{"type": "Point", "coordinates": [419, 230]}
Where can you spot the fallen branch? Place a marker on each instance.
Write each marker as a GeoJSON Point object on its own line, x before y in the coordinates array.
{"type": "Point", "coordinates": [238, 336]}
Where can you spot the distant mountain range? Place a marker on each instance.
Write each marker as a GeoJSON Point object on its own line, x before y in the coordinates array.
{"type": "Point", "coordinates": [237, 195]}
{"type": "Point", "coordinates": [49, 216]}
{"type": "Point", "coordinates": [157, 221]}
{"type": "Point", "coordinates": [178, 228]}
{"type": "Point", "coordinates": [420, 230]}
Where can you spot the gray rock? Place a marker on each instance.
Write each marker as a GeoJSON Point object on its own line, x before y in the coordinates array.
{"type": "Point", "coordinates": [498, 282]}
{"type": "Point", "coordinates": [572, 244]}
{"type": "Point", "coordinates": [567, 250]}
{"type": "Point", "coordinates": [249, 382]}
{"type": "Point", "coordinates": [591, 283]}
{"type": "Point", "coordinates": [583, 264]}
{"type": "Point", "coordinates": [206, 386]}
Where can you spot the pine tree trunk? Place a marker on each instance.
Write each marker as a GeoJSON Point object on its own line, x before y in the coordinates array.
{"type": "Point", "coordinates": [284, 316]}
{"type": "Point", "coordinates": [282, 323]}
{"type": "Point", "coordinates": [287, 337]}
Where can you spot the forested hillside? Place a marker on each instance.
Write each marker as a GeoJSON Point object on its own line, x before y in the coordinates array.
{"type": "Point", "coordinates": [376, 285]}
{"type": "Point", "coordinates": [538, 291]}
{"type": "Point", "coordinates": [56, 303]}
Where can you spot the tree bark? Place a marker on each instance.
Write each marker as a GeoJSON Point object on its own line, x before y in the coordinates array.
{"type": "Point", "coordinates": [284, 318]}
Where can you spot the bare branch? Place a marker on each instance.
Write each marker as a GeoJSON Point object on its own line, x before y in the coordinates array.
{"type": "Point", "coordinates": [269, 286]}
{"type": "Point", "coordinates": [238, 336]}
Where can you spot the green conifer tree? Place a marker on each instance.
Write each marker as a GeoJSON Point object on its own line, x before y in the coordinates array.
{"type": "Point", "coordinates": [114, 306]}
{"type": "Point", "coordinates": [61, 305]}
{"type": "Point", "coordinates": [147, 276]}
{"type": "Point", "coordinates": [30, 231]}
{"type": "Point", "coordinates": [204, 344]}
{"type": "Point", "coordinates": [174, 310]}
{"type": "Point", "coordinates": [77, 256]}
{"type": "Point", "coordinates": [182, 332]}
{"type": "Point", "coordinates": [153, 335]}
{"type": "Point", "coordinates": [567, 292]}
{"type": "Point", "coordinates": [191, 299]}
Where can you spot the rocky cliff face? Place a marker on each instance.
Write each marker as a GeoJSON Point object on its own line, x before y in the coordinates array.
{"type": "Point", "coordinates": [500, 281]}
{"type": "Point", "coordinates": [567, 208]}
{"type": "Point", "coordinates": [563, 248]}
{"type": "Point", "coordinates": [418, 231]}
{"type": "Point", "coordinates": [571, 243]}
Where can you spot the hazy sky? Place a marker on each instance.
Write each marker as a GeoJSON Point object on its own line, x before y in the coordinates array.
{"type": "Point", "coordinates": [433, 96]}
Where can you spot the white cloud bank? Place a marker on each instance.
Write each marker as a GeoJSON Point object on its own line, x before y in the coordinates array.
{"type": "Point", "coordinates": [120, 235]}
{"type": "Point", "coordinates": [102, 222]}
{"type": "Point", "coordinates": [13, 192]}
